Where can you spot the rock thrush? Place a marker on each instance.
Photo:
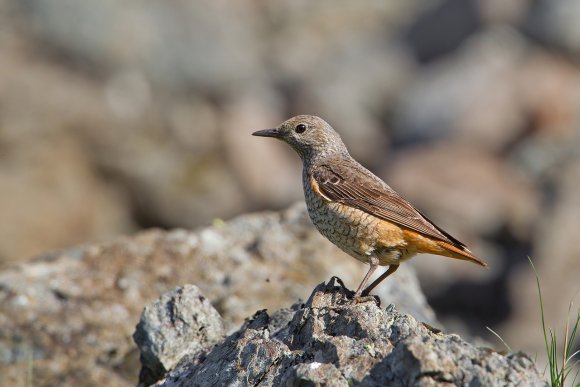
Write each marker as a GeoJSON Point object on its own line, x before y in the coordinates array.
{"type": "Point", "coordinates": [356, 210]}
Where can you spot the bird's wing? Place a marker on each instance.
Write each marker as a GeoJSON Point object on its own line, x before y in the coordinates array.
{"type": "Point", "coordinates": [356, 187]}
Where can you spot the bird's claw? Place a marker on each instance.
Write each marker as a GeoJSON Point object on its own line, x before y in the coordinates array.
{"type": "Point", "coordinates": [363, 299]}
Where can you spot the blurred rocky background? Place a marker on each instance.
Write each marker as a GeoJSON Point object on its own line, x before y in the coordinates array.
{"type": "Point", "coordinates": [120, 116]}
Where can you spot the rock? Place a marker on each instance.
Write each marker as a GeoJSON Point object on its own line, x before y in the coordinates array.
{"type": "Point", "coordinates": [451, 99]}
{"type": "Point", "coordinates": [61, 187]}
{"type": "Point", "coordinates": [268, 183]}
{"type": "Point", "coordinates": [330, 340]}
{"type": "Point", "coordinates": [73, 312]}
{"type": "Point", "coordinates": [553, 24]}
{"type": "Point", "coordinates": [181, 321]}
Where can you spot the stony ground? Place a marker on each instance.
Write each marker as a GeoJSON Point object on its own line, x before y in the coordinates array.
{"type": "Point", "coordinates": [67, 318]}
{"type": "Point", "coordinates": [329, 340]}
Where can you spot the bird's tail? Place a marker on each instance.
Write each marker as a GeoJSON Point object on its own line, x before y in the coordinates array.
{"type": "Point", "coordinates": [460, 252]}
{"type": "Point", "coordinates": [422, 244]}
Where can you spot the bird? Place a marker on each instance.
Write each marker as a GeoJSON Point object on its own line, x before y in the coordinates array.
{"type": "Point", "coordinates": [356, 210]}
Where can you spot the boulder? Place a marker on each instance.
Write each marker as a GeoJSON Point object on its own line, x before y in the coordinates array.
{"type": "Point", "coordinates": [335, 341]}
{"type": "Point", "coordinates": [66, 318]}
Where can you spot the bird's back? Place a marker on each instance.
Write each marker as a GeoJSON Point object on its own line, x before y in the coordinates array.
{"type": "Point", "coordinates": [346, 189]}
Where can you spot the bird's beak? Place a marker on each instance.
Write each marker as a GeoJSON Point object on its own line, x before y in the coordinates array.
{"type": "Point", "coordinates": [267, 133]}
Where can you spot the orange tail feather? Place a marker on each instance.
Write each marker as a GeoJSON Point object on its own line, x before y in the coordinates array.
{"type": "Point", "coordinates": [422, 244]}
{"type": "Point", "coordinates": [460, 253]}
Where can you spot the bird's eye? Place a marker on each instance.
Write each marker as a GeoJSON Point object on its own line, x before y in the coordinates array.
{"type": "Point", "coordinates": [300, 128]}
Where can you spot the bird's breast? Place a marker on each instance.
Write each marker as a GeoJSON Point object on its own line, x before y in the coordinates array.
{"type": "Point", "coordinates": [356, 232]}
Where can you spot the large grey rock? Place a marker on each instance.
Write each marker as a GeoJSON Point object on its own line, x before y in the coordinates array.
{"type": "Point", "coordinates": [331, 340]}
{"type": "Point", "coordinates": [554, 23]}
{"type": "Point", "coordinates": [181, 321]}
{"type": "Point", "coordinates": [73, 312]}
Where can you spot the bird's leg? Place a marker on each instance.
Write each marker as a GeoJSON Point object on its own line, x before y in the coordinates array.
{"type": "Point", "coordinates": [374, 263]}
{"type": "Point", "coordinates": [390, 270]}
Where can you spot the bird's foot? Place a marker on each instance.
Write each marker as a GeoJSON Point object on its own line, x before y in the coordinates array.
{"type": "Point", "coordinates": [354, 298]}
{"type": "Point", "coordinates": [360, 299]}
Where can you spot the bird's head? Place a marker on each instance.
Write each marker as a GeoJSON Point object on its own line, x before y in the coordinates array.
{"type": "Point", "coordinates": [310, 136]}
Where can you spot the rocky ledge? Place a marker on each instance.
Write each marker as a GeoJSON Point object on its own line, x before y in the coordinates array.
{"type": "Point", "coordinates": [66, 318]}
{"type": "Point", "coordinates": [329, 340]}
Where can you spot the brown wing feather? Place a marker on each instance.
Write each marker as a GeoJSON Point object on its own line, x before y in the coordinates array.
{"type": "Point", "coordinates": [355, 186]}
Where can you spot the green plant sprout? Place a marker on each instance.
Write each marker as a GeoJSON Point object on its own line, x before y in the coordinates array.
{"type": "Point", "coordinates": [559, 372]}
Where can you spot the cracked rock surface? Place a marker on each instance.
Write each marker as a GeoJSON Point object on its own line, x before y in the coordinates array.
{"type": "Point", "coordinates": [181, 321]}
{"type": "Point", "coordinates": [332, 341]}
